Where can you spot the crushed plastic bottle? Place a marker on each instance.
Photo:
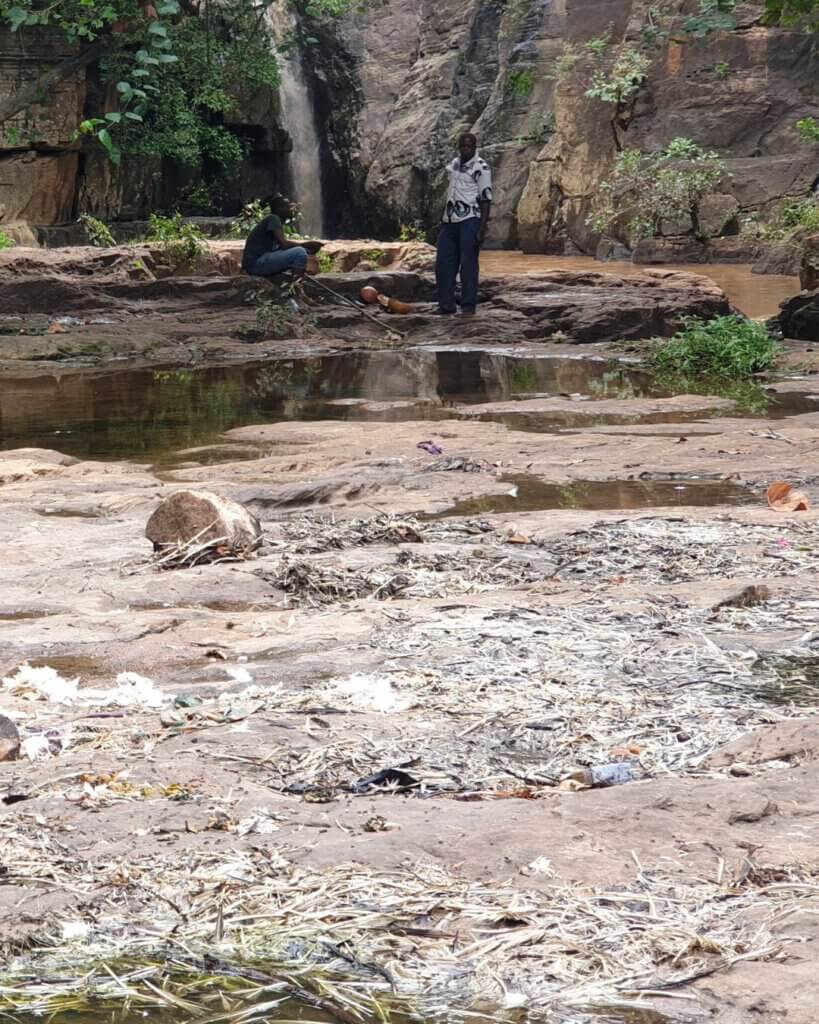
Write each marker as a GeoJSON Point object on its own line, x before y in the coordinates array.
{"type": "Point", "coordinates": [615, 774]}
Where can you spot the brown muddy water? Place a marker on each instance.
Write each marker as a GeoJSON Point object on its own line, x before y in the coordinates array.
{"type": "Point", "coordinates": [528, 494]}
{"type": "Point", "coordinates": [151, 415]}
{"type": "Point", "coordinates": [756, 295]}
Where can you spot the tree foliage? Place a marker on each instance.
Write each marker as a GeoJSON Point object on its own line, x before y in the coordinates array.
{"type": "Point", "coordinates": [649, 188]}
{"type": "Point", "coordinates": [178, 66]}
{"type": "Point", "coordinates": [792, 12]}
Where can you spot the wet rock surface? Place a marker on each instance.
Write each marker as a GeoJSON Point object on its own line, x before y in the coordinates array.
{"type": "Point", "coordinates": [799, 317]}
{"type": "Point", "coordinates": [470, 661]}
{"type": "Point", "coordinates": [128, 302]}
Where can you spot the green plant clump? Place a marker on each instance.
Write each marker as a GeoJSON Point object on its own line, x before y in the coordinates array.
{"type": "Point", "coordinates": [181, 241]}
{"type": "Point", "coordinates": [326, 262]}
{"type": "Point", "coordinates": [623, 79]}
{"type": "Point", "coordinates": [726, 347]}
{"type": "Point", "coordinates": [521, 82]}
{"type": "Point", "coordinates": [253, 213]}
{"type": "Point", "coordinates": [649, 188]}
{"type": "Point", "coordinates": [373, 255]}
{"type": "Point", "coordinates": [97, 231]}
{"type": "Point", "coordinates": [808, 128]}
{"type": "Point", "coordinates": [5, 241]}
{"type": "Point", "coordinates": [412, 233]}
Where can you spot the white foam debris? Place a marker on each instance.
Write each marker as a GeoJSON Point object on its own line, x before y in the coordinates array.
{"type": "Point", "coordinates": [42, 683]}
{"type": "Point", "coordinates": [368, 692]}
{"type": "Point", "coordinates": [131, 690]}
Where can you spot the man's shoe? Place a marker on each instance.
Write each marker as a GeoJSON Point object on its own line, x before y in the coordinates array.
{"type": "Point", "coordinates": [468, 311]}
{"type": "Point", "coordinates": [443, 312]}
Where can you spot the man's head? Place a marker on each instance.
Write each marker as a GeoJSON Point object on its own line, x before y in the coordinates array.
{"type": "Point", "coordinates": [280, 205]}
{"type": "Point", "coordinates": [467, 147]}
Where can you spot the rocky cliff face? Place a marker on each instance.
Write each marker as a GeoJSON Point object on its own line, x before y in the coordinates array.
{"type": "Point", "coordinates": [421, 72]}
{"type": "Point", "coordinates": [394, 84]}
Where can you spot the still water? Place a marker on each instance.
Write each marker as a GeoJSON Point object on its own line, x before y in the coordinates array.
{"type": "Point", "coordinates": [148, 415]}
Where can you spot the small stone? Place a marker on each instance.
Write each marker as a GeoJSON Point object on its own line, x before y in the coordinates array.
{"type": "Point", "coordinates": [9, 740]}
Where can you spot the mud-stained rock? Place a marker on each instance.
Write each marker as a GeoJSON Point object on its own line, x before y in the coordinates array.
{"type": "Point", "coordinates": [780, 742]}
{"type": "Point", "coordinates": [799, 317]}
{"type": "Point", "coordinates": [201, 517]}
{"type": "Point", "coordinates": [9, 740]}
{"type": "Point", "coordinates": [591, 307]}
{"type": "Point", "coordinates": [29, 463]}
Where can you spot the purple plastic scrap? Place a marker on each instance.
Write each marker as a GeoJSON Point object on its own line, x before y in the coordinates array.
{"type": "Point", "coordinates": [430, 447]}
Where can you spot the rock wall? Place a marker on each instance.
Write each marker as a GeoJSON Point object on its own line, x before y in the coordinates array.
{"type": "Point", "coordinates": [396, 81]}
{"type": "Point", "coordinates": [421, 71]}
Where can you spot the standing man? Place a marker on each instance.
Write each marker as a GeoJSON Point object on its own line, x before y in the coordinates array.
{"type": "Point", "coordinates": [463, 229]}
{"type": "Point", "coordinates": [268, 252]}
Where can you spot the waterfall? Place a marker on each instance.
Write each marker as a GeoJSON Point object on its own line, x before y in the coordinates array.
{"type": "Point", "coordinates": [299, 121]}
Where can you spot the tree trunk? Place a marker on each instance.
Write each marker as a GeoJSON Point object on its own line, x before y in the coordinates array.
{"type": "Point", "coordinates": [31, 93]}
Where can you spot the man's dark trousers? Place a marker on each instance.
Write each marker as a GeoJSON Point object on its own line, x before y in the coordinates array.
{"type": "Point", "coordinates": [458, 250]}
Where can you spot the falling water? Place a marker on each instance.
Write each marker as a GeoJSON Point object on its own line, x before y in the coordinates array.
{"type": "Point", "coordinates": [300, 123]}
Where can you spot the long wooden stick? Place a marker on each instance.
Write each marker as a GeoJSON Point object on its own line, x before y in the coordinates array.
{"type": "Point", "coordinates": [363, 312]}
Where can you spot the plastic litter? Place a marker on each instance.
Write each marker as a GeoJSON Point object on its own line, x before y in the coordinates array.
{"type": "Point", "coordinates": [430, 447]}
{"type": "Point", "coordinates": [607, 774]}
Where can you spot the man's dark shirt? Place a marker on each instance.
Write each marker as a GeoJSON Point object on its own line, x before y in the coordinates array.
{"type": "Point", "coordinates": [261, 240]}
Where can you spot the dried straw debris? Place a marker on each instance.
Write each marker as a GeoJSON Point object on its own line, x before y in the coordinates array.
{"type": "Point", "coordinates": [259, 930]}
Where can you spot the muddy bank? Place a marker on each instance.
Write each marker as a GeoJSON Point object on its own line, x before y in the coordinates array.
{"type": "Point", "coordinates": [363, 735]}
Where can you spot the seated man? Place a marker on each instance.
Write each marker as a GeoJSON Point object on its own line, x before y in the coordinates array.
{"type": "Point", "coordinates": [268, 252]}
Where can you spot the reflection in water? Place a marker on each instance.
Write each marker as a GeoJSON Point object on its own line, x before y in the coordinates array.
{"type": "Point", "coordinates": [530, 494]}
{"type": "Point", "coordinates": [147, 415]}
{"type": "Point", "coordinates": [757, 295]}
{"type": "Point", "coordinates": [144, 414]}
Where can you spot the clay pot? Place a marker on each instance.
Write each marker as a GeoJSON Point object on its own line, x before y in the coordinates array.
{"type": "Point", "coordinates": [369, 295]}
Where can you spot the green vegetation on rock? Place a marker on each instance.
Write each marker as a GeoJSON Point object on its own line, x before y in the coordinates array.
{"type": "Point", "coordinates": [520, 82]}
{"type": "Point", "coordinates": [726, 347]}
{"type": "Point", "coordinates": [808, 128]}
{"type": "Point", "coordinates": [620, 82]}
{"type": "Point", "coordinates": [176, 69]}
{"type": "Point", "coordinates": [649, 188]}
{"type": "Point", "coordinates": [97, 231]}
{"type": "Point", "coordinates": [180, 240]}
{"type": "Point", "coordinates": [5, 241]}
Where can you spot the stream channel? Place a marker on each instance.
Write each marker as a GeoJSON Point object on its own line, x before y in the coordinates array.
{"type": "Point", "coordinates": [175, 417]}
{"type": "Point", "coordinates": [159, 415]}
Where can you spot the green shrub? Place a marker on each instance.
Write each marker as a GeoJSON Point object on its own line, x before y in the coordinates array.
{"type": "Point", "coordinates": [800, 213]}
{"type": "Point", "coordinates": [253, 213]}
{"type": "Point", "coordinates": [326, 262]}
{"type": "Point", "coordinates": [180, 240]}
{"type": "Point", "coordinates": [726, 347]}
{"type": "Point", "coordinates": [808, 128]}
{"type": "Point", "coordinates": [412, 233]}
{"type": "Point", "coordinates": [5, 241]}
{"type": "Point", "coordinates": [520, 82]}
{"type": "Point", "coordinates": [97, 231]}
{"type": "Point", "coordinates": [649, 188]}
{"type": "Point", "coordinates": [623, 79]}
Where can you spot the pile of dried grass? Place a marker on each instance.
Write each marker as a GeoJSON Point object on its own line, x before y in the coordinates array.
{"type": "Point", "coordinates": [357, 943]}
{"type": "Point", "coordinates": [312, 584]}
